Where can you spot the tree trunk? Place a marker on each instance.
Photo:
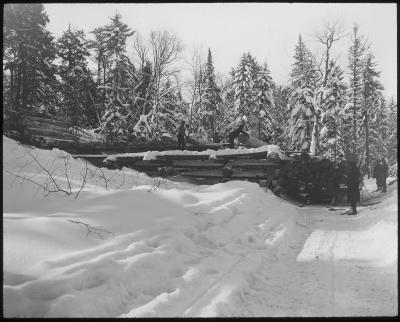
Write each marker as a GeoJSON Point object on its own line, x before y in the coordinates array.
{"type": "Point", "coordinates": [18, 89]}
{"type": "Point", "coordinates": [367, 143]}
{"type": "Point", "coordinates": [314, 137]}
{"type": "Point", "coordinates": [12, 87]}
{"type": "Point", "coordinates": [335, 146]}
{"type": "Point", "coordinates": [24, 73]}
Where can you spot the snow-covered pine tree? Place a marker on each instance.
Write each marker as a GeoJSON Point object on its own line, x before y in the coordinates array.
{"type": "Point", "coordinates": [120, 81]}
{"type": "Point", "coordinates": [211, 98]}
{"type": "Point", "coordinates": [28, 54]}
{"type": "Point", "coordinates": [303, 106]}
{"type": "Point", "coordinates": [262, 112]}
{"type": "Point", "coordinates": [226, 118]}
{"type": "Point", "coordinates": [304, 73]}
{"type": "Point", "coordinates": [391, 140]}
{"type": "Point", "coordinates": [243, 86]}
{"type": "Point", "coordinates": [77, 86]}
{"type": "Point", "coordinates": [334, 99]}
{"type": "Point", "coordinates": [356, 54]}
{"type": "Point", "coordinates": [371, 105]}
{"type": "Point", "coordinates": [100, 57]}
{"type": "Point", "coordinates": [145, 89]}
{"type": "Point", "coordinates": [379, 129]}
{"type": "Point", "coordinates": [281, 116]}
{"type": "Point", "coordinates": [169, 113]}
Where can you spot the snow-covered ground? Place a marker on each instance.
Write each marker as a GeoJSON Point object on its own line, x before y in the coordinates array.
{"type": "Point", "coordinates": [169, 249]}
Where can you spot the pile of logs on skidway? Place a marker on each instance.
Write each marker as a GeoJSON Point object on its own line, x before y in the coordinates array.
{"type": "Point", "coordinates": [302, 177]}
{"type": "Point", "coordinates": [309, 178]}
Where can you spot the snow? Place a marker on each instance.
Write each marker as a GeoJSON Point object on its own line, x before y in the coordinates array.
{"type": "Point", "coordinates": [152, 155]}
{"type": "Point", "coordinates": [180, 250]}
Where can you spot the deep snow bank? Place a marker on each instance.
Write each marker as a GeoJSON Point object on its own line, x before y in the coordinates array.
{"type": "Point", "coordinates": [155, 253]}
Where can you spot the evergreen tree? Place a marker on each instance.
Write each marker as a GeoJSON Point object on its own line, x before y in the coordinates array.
{"type": "Point", "coordinates": [356, 66]}
{"type": "Point", "coordinates": [262, 112]}
{"type": "Point", "coordinates": [391, 138]}
{"type": "Point", "coordinates": [371, 99]}
{"type": "Point", "coordinates": [76, 80]}
{"type": "Point", "coordinates": [29, 53]}
{"type": "Point", "coordinates": [211, 97]}
{"type": "Point", "coordinates": [120, 80]}
{"type": "Point", "coordinates": [304, 72]}
{"type": "Point", "coordinates": [305, 111]}
{"type": "Point", "coordinates": [281, 116]}
{"type": "Point", "coordinates": [334, 99]}
{"type": "Point", "coordinates": [243, 84]}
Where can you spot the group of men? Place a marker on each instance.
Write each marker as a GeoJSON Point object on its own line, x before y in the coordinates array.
{"type": "Point", "coordinates": [380, 173]}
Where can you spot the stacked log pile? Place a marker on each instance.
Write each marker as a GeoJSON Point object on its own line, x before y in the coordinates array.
{"type": "Point", "coordinates": [235, 166]}
{"type": "Point", "coordinates": [312, 176]}
{"type": "Point", "coordinates": [42, 129]}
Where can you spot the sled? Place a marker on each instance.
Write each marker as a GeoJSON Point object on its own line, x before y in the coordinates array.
{"type": "Point", "coordinates": [250, 142]}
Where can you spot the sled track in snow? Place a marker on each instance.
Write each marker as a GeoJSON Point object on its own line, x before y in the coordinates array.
{"type": "Point", "coordinates": [202, 294]}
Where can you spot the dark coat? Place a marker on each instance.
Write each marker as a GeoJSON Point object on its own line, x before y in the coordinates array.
{"type": "Point", "coordinates": [353, 182]}
{"type": "Point", "coordinates": [385, 169]}
{"type": "Point", "coordinates": [181, 131]}
{"type": "Point", "coordinates": [377, 171]}
{"type": "Point", "coordinates": [234, 134]}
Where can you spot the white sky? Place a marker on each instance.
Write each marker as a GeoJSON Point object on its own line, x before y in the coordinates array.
{"type": "Point", "coordinates": [269, 31]}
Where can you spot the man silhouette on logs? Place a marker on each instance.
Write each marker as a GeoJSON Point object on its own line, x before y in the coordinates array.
{"type": "Point", "coordinates": [181, 136]}
{"type": "Point", "coordinates": [235, 134]}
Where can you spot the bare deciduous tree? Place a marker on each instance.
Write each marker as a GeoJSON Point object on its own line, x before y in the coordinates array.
{"type": "Point", "coordinates": [333, 31]}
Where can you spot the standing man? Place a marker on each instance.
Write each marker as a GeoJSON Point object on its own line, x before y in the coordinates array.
{"type": "Point", "coordinates": [377, 174]}
{"type": "Point", "coordinates": [353, 183]}
{"type": "Point", "coordinates": [181, 136]}
{"type": "Point", "coordinates": [385, 170]}
{"type": "Point", "coordinates": [234, 134]}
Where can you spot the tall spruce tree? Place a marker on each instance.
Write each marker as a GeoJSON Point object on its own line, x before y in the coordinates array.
{"type": "Point", "coordinates": [304, 73]}
{"type": "Point", "coordinates": [28, 54]}
{"type": "Point", "coordinates": [356, 54]}
{"type": "Point", "coordinates": [331, 136]}
{"type": "Point", "coordinates": [371, 104]}
{"type": "Point", "coordinates": [305, 112]}
{"type": "Point", "coordinates": [243, 84]}
{"type": "Point", "coordinates": [211, 97]}
{"type": "Point", "coordinates": [391, 138]}
{"type": "Point", "coordinates": [120, 80]}
{"type": "Point", "coordinates": [262, 112]}
{"type": "Point", "coordinates": [280, 115]}
{"type": "Point", "coordinates": [77, 85]}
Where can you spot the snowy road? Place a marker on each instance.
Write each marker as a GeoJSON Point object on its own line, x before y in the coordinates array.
{"type": "Point", "coordinates": [187, 251]}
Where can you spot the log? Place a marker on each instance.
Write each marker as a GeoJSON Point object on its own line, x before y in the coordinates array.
{"type": "Point", "coordinates": [50, 128]}
{"type": "Point", "coordinates": [183, 157]}
{"type": "Point", "coordinates": [248, 155]}
{"type": "Point", "coordinates": [93, 156]}
{"type": "Point", "coordinates": [45, 120]}
{"type": "Point", "coordinates": [50, 134]}
{"type": "Point", "coordinates": [236, 174]}
{"type": "Point", "coordinates": [254, 164]}
{"type": "Point", "coordinates": [207, 164]}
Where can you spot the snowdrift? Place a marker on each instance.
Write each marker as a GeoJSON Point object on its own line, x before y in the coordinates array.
{"type": "Point", "coordinates": [124, 248]}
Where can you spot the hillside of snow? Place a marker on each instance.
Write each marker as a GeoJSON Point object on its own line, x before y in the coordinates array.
{"type": "Point", "coordinates": [117, 243]}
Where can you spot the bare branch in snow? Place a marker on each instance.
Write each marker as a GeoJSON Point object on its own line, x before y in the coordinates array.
{"type": "Point", "coordinates": [91, 229]}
